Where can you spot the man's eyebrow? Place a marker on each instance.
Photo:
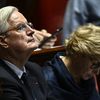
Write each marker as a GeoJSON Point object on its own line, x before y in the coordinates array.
{"type": "Point", "coordinates": [18, 23]}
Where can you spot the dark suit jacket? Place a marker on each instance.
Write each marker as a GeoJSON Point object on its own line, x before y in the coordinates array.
{"type": "Point", "coordinates": [11, 87]}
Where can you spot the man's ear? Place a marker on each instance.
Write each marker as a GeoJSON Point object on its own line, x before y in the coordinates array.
{"type": "Point", "coordinates": [3, 43]}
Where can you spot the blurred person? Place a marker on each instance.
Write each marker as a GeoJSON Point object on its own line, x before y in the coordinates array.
{"type": "Point", "coordinates": [80, 12]}
{"type": "Point", "coordinates": [20, 79]}
{"type": "Point", "coordinates": [71, 74]}
{"type": "Point", "coordinates": [2, 3]}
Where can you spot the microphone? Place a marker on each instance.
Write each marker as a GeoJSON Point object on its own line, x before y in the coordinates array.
{"type": "Point", "coordinates": [48, 38]}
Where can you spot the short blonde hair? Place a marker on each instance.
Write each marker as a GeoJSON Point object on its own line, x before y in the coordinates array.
{"type": "Point", "coordinates": [5, 13]}
{"type": "Point", "coordinates": [85, 41]}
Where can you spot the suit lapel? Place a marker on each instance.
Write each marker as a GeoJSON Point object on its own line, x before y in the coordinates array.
{"type": "Point", "coordinates": [12, 75]}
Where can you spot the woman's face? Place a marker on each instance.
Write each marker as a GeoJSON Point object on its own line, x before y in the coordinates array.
{"type": "Point", "coordinates": [93, 67]}
{"type": "Point", "coordinates": [83, 66]}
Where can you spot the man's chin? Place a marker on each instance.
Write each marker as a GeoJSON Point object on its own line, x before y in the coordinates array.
{"type": "Point", "coordinates": [33, 46]}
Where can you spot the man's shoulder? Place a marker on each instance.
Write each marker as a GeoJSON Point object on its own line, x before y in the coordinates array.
{"type": "Point", "coordinates": [32, 66]}
{"type": "Point", "coordinates": [3, 70]}
{"type": "Point", "coordinates": [34, 69]}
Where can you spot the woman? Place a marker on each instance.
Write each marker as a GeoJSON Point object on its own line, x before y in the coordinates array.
{"type": "Point", "coordinates": [70, 75]}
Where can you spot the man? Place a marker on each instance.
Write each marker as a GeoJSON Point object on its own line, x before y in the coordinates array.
{"type": "Point", "coordinates": [20, 80]}
{"type": "Point", "coordinates": [80, 12]}
{"type": "Point", "coordinates": [70, 74]}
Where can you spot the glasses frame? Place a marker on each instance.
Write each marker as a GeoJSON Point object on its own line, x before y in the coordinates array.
{"type": "Point", "coordinates": [25, 25]}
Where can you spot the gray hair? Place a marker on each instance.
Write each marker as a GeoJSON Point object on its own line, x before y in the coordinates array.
{"type": "Point", "coordinates": [5, 13]}
{"type": "Point", "coordinates": [85, 41]}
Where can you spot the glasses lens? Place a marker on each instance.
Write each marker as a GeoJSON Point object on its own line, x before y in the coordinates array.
{"type": "Point", "coordinates": [30, 24]}
{"type": "Point", "coordinates": [23, 27]}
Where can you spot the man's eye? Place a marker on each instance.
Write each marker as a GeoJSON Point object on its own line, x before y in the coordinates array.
{"type": "Point", "coordinates": [21, 27]}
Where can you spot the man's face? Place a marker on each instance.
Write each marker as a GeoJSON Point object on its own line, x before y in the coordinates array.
{"type": "Point", "coordinates": [20, 37]}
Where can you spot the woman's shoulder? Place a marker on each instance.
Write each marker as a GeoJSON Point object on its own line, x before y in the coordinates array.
{"type": "Point", "coordinates": [50, 67]}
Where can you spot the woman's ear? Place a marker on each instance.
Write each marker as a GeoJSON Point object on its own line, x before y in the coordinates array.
{"type": "Point", "coordinates": [3, 43]}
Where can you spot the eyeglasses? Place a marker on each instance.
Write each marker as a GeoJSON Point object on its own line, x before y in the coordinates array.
{"type": "Point", "coordinates": [24, 26]}
{"type": "Point", "coordinates": [20, 27]}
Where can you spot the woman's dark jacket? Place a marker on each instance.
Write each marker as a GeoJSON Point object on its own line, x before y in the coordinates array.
{"type": "Point", "coordinates": [63, 85]}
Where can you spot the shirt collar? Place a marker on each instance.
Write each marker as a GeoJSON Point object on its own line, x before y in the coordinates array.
{"type": "Point", "coordinates": [18, 71]}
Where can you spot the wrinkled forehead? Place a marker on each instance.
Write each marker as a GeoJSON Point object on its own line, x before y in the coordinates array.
{"type": "Point", "coordinates": [16, 18]}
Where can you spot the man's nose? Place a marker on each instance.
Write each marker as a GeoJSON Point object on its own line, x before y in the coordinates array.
{"type": "Point", "coordinates": [30, 30]}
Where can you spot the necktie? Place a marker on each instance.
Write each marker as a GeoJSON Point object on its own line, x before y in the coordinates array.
{"type": "Point", "coordinates": [25, 79]}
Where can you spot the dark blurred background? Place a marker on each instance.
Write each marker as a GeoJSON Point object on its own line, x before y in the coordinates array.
{"type": "Point", "coordinates": [44, 14]}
